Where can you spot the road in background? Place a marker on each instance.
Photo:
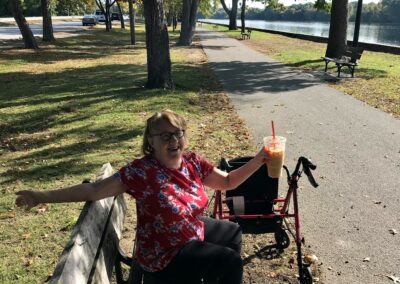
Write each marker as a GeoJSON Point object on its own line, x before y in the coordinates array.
{"type": "Point", "coordinates": [13, 32]}
{"type": "Point", "coordinates": [67, 24]}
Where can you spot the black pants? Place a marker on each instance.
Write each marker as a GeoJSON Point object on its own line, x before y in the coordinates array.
{"type": "Point", "coordinates": [217, 257]}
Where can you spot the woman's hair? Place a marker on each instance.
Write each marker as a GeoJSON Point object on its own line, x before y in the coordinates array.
{"type": "Point", "coordinates": [166, 115]}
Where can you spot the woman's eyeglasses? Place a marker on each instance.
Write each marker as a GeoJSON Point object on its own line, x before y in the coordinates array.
{"type": "Point", "coordinates": [166, 136]}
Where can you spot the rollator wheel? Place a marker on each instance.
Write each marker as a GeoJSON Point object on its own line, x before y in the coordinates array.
{"type": "Point", "coordinates": [282, 238]}
{"type": "Point", "coordinates": [307, 277]}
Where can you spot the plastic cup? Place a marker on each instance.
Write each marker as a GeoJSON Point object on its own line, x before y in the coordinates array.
{"type": "Point", "coordinates": [275, 148]}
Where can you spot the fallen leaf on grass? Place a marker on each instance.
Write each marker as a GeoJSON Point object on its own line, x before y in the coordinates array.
{"type": "Point", "coordinates": [272, 274]}
{"type": "Point", "coordinates": [26, 236]}
{"type": "Point", "coordinates": [393, 231]}
{"type": "Point", "coordinates": [367, 259]}
{"type": "Point", "coordinates": [28, 262]}
{"type": "Point", "coordinates": [42, 208]}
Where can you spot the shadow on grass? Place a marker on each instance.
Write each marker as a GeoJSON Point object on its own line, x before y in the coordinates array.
{"type": "Point", "coordinates": [69, 158]}
{"type": "Point", "coordinates": [306, 62]}
{"type": "Point", "coordinates": [97, 81]}
{"type": "Point", "coordinates": [54, 121]}
{"type": "Point", "coordinates": [84, 46]}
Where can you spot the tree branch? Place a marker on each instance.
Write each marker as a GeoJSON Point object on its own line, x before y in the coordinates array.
{"type": "Point", "coordinates": [225, 7]}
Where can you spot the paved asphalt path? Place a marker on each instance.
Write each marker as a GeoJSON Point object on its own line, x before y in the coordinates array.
{"type": "Point", "coordinates": [356, 148]}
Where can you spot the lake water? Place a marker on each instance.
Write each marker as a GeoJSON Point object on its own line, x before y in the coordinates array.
{"type": "Point", "coordinates": [371, 33]}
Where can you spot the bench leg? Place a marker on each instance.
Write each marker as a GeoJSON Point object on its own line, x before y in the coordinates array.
{"type": "Point", "coordinates": [352, 71]}
{"type": "Point", "coordinates": [339, 68]}
{"type": "Point", "coordinates": [326, 65]}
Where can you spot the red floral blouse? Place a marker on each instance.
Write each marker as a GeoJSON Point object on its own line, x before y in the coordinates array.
{"type": "Point", "coordinates": [168, 203]}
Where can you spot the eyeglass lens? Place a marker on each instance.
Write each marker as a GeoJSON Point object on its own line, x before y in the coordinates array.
{"type": "Point", "coordinates": [166, 136]}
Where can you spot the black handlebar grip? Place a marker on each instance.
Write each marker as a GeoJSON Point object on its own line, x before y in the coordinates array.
{"type": "Point", "coordinates": [307, 165]}
{"type": "Point", "coordinates": [311, 179]}
{"type": "Point", "coordinates": [224, 165]}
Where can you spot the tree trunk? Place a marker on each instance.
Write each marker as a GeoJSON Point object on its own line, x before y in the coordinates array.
{"type": "Point", "coordinates": [231, 13]}
{"type": "Point", "coordinates": [106, 11]}
{"type": "Point", "coordinates": [337, 40]}
{"type": "Point", "coordinates": [47, 23]}
{"type": "Point", "coordinates": [107, 16]}
{"type": "Point", "coordinates": [132, 22]}
{"type": "Point", "coordinates": [157, 45]}
{"type": "Point", "coordinates": [121, 16]}
{"type": "Point", "coordinates": [188, 24]}
{"type": "Point", "coordinates": [26, 32]}
{"type": "Point", "coordinates": [242, 15]}
{"type": "Point", "coordinates": [169, 19]}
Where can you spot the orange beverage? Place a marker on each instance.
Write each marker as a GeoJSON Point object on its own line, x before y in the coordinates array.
{"type": "Point", "coordinates": [275, 148]}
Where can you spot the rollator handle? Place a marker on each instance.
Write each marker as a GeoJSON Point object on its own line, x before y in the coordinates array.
{"type": "Point", "coordinates": [307, 167]}
{"type": "Point", "coordinates": [224, 165]}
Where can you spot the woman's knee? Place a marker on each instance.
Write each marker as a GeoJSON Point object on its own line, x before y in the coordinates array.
{"type": "Point", "coordinates": [233, 272]}
{"type": "Point", "coordinates": [236, 239]}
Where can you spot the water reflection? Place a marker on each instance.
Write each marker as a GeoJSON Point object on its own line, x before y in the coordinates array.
{"type": "Point", "coordinates": [369, 33]}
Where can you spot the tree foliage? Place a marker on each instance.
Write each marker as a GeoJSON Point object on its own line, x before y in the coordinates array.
{"type": "Point", "coordinates": [73, 7]}
{"type": "Point", "coordinates": [385, 11]}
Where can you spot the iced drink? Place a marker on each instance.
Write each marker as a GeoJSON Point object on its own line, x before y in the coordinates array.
{"type": "Point", "coordinates": [275, 148]}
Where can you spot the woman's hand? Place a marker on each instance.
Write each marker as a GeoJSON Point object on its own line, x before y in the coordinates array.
{"type": "Point", "coordinates": [26, 199]}
{"type": "Point", "coordinates": [262, 157]}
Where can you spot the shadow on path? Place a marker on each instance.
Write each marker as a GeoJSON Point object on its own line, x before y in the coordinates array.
{"type": "Point", "coordinates": [269, 77]}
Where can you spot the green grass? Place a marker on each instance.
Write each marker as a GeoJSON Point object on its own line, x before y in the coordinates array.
{"type": "Point", "coordinates": [377, 79]}
{"type": "Point", "coordinates": [76, 104]}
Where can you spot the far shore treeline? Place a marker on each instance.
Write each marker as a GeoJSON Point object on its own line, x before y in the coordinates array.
{"type": "Point", "coordinates": [385, 11]}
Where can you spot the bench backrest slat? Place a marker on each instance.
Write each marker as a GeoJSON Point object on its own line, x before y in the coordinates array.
{"type": "Point", "coordinates": [354, 53]}
{"type": "Point", "coordinates": [89, 255]}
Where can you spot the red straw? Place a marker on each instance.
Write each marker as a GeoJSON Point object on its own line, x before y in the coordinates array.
{"type": "Point", "coordinates": [273, 130]}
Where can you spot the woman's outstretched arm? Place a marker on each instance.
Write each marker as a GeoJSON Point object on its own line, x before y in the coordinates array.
{"type": "Point", "coordinates": [110, 186]}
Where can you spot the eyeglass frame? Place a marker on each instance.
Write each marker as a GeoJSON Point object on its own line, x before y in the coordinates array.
{"type": "Point", "coordinates": [170, 134]}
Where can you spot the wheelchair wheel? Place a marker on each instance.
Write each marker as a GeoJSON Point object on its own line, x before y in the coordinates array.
{"type": "Point", "coordinates": [306, 277]}
{"type": "Point", "coordinates": [282, 238]}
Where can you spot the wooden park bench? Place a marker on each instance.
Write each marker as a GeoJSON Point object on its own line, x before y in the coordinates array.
{"type": "Point", "coordinates": [93, 252]}
{"type": "Point", "coordinates": [246, 34]}
{"type": "Point", "coordinates": [349, 58]}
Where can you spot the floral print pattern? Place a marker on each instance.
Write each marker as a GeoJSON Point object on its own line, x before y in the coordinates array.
{"type": "Point", "coordinates": [168, 204]}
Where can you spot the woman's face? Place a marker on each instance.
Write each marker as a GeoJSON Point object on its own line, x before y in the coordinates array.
{"type": "Point", "coordinates": [168, 143]}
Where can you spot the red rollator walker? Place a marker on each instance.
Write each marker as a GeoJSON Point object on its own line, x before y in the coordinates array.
{"type": "Point", "coordinates": [255, 206]}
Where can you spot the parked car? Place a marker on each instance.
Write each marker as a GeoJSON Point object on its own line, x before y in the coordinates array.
{"type": "Point", "coordinates": [89, 20]}
{"type": "Point", "coordinates": [115, 16]}
{"type": "Point", "coordinates": [100, 16]}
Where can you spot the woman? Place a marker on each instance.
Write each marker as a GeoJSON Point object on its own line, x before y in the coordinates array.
{"type": "Point", "coordinates": [174, 241]}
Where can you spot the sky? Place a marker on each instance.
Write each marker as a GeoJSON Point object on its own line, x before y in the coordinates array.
{"type": "Point", "coordinates": [291, 2]}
